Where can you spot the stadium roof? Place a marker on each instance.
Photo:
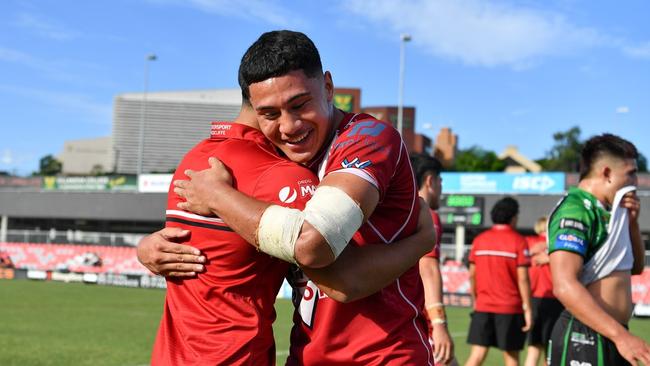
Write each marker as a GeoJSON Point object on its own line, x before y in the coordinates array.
{"type": "Point", "coordinates": [210, 96]}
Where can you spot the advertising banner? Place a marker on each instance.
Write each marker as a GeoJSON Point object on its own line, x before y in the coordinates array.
{"type": "Point", "coordinates": [20, 182]}
{"type": "Point", "coordinates": [154, 183]}
{"type": "Point", "coordinates": [88, 183]}
{"type": "Point", "coordinates": [503, 183]}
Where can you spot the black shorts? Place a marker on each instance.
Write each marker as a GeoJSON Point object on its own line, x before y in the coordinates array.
{"type": "Point", "coordinates": [545, 312]}
{"type": "Point", "coordinates": [497, 330]}
{"type": "Point", "coordinates": [574, 343]}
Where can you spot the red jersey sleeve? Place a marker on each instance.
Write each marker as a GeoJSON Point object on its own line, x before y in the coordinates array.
{"type": "Point", "coordinates": [523, 255]}
{"type": "Point", "coordinates": [435, 252]}
{"type": "Point", "coordinates": [370, 149]}
{"type": "Point", "coordinates": [286, 184]}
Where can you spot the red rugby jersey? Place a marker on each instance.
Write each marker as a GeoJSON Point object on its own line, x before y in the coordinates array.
{"type": "Point", "coordinates": [496, 254]}
{"type": "Point", "coordinates": [388, 327]}
{"type": "Point", "coordinates": [224, 315]}
{"type": "Point", "coordinates": [437, 225]}
{"type": "Point", "coordinates": [541, 282]}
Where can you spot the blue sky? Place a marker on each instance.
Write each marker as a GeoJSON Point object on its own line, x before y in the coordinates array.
{"type": "Point", "coordinates": [497, 72]}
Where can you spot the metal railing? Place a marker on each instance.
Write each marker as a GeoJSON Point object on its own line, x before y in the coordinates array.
{"type": "Point", "coordinates": [73, 237]}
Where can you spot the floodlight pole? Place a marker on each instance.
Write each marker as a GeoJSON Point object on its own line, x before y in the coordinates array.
{"type": "Point", "coordinates": [143, 110]}
{"type": "Point", "coordinates": [400, 104]}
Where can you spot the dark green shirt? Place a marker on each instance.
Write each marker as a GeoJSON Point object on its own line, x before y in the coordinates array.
{"type": "Point", "coordinates": [578, 224]}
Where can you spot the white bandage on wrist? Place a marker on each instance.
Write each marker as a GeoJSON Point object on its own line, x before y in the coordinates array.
{"type": "Point", "coordinates": [278, 231]}
{"type": "Point", "coordinates": [335, 215]}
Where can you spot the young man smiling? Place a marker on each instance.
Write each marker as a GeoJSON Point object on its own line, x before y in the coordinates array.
{"type": "Point", "coordinates": [223, 316]}
{"type": "Point", "coordinates": [367, 194]}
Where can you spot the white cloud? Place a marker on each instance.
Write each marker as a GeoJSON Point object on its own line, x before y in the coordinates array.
{"type": "Point", "coordinates": [485, 33]}
{"type": "Point", "coordinates": [267, 11]}
{"type": "Point", "coordinates": [640, 51]}
{"type": "Point", "coordinates": [44, 27]}
{"type": "Point", "coordinates": [7, 157]}
{"type": "Point", "coordinates": [622, 110]}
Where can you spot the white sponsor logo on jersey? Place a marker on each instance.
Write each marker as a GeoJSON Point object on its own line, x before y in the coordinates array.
{"type": "Point", "coordinates": [579, 363]}
{"type": "Point", "coordinates": [287, 195]}
{"type": "Point", "coordinates": [307, 190]}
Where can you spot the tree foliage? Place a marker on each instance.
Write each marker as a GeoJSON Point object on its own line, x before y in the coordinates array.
{"type": "Point", "coordinates": [49, 165]}
{"type": "Point", "coordinates": [642, 163]}
{"type": "Point", "coordinates": [564, 156]}
{"type": "Point", "coordinates": [477, 159]}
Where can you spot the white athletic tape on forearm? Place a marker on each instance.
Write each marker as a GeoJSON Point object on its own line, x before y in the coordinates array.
{"type": "Point", "coordinates": [278, 232]}
{"type": "Point", "coordinates": [335, 215]}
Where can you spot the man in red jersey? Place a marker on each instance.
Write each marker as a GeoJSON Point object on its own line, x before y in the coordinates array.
{"type": "Point", "coordinates": [367, 193]}
{"type": "Point", "coordinates": [500, 288]}
{"type": "Point", "coordinates": [224, 315]}
{"type": "Point", "coordinates": [237, 329]}
{"type": "Point", "coordinates": [546, 308]}
{"type": "Point", "coordinates": [427, 175]}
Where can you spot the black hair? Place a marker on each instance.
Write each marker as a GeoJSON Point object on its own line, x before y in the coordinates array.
{"type": "Point", "coordinates": [423, 166]}
{"type": "Point", "coordinates": [275, 54]}
{"type": "Point", "coordinates": [603, 145]}
{"type": "Point", "coordinates": [504, 210]}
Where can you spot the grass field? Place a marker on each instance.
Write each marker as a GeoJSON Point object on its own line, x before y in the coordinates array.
{"type": "Point", "coordinates": [51, 323]}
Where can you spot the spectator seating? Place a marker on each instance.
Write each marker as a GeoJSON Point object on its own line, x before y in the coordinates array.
{"type": "Point", "coordinates": [74, 258]}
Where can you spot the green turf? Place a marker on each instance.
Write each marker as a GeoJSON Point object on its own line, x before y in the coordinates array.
{"type": "Point", "coordinates": [51, 323]}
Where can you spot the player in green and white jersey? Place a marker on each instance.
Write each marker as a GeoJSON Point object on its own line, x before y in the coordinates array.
{"type": "Point", "coordinates": [592, 261]}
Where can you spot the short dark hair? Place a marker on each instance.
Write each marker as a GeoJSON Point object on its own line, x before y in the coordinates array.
{"type": "Point", "coordinates": [504, 210]}
{"type": "Point", "coordinates": [606, 144]}
{"type": "Point", "coordinates": [275, 54]}
{"type": "Point", "coordinates": [423, 166]}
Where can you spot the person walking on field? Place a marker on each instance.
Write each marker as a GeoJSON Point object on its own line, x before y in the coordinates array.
{"type": "Point", "coordinates": [500, 288]}
{"type": "Point", "coordinates": [546, 308]}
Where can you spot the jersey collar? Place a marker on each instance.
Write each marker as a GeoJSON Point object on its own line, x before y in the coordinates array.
{"type": "Point", "coordinates": [346, 120]}
{"type": "Point", "coordinates": [586, 196]}
{"type": "Point", "coordinates": [221, 130]}
{"type": "Point", "coordinates": [502, 227]}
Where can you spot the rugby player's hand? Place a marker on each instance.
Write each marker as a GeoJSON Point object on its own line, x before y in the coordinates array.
{"type": "Point", "coordinates": [202, 188]}
{"type": "Point", "coordinates": [443, 346]}
{"type": "Point", "coordinates": [633, 348]}
{"type": "Point", "coordinates": [633, 205]}
{"type": "Point", "coordinates": [160, 253]}
{"type": "Point", "coordinates": [528, 320]}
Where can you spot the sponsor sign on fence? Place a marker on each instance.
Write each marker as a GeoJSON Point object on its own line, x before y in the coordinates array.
{"type": "Point", "coordinates": [98, 183]}
{"type": "Point", "coordinates": [154, 183]}
{"type": "Point", "coordinates": [503, 183]}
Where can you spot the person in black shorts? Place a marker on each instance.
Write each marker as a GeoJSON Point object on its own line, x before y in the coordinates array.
{"type": "Point", "coordinates": [579, 342]}
{"type": "Point", "coordinates": [499, 285]}
{"type": "Point", "coordinates": [546, 308]}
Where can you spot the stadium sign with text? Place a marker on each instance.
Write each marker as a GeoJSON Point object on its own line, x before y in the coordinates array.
{"type": "Point", "coordinates": [503, 183]}
{"type": "Point", "coordinates": [154, 183]}
{"type": "Point", "coordinates": [88, 183]}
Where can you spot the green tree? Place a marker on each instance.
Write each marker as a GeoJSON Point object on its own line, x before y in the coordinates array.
{"type": "Point", "coordinates": [642, 163]}
{"type": "Point", "coordinates": [564, 156]}
{"type": "Point", "coordinates": [49, 165]}
{"type": "Point", "coordinates": [477, 159]}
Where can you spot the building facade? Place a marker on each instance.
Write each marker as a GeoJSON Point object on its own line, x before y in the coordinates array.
{"type": "Point", "coordinates": [173, 122]}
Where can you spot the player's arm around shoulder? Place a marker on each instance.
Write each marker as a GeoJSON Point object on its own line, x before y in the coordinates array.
{"type": "Point", "coordinates": [361, 271]}
{"type": "Point", "coordinates": [341, 203]}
